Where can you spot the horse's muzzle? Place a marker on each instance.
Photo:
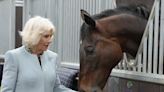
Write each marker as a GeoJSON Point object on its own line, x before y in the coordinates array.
{"type": "Point", "coordinates": [92, 90]}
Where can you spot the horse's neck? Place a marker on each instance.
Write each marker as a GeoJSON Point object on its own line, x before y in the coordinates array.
{"type": "Point", "coordinates": [128, 29]}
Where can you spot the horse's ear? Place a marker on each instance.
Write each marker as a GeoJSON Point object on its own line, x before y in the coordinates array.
{"type": "Point", "coordinates": [87, 18]}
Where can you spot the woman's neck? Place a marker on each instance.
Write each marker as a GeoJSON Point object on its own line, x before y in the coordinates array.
{"type": "Point", "coordinates": [36, 51]}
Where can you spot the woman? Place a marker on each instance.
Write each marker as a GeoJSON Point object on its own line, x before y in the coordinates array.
{"type": "Point", "coordinates": [32, 68]}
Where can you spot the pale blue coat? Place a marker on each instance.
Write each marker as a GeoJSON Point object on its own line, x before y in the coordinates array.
{"type": "Point", "coordinates": [23, 73]}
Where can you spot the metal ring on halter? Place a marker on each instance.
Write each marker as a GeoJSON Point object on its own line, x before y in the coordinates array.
{"type": "Point", "coordinates": [131, 63]}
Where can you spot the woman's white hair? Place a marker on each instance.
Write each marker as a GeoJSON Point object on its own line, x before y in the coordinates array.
{"type": "Point", "coordinates": [33, 29]}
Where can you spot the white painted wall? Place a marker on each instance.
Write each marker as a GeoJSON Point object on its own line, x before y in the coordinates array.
{"type": "Point", "coordinates": [7, 29]}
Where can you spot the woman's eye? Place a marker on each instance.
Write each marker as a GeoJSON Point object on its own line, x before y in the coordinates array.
{"type": "Point", "coordinates": [46, 36]}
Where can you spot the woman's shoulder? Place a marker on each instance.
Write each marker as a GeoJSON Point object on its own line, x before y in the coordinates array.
{"type": "Point", "coordinates": [52, 56]}
{"type": "Point", "coordinates": [14, 51]}
{"type": "Point", "coordinates": [51, 53]}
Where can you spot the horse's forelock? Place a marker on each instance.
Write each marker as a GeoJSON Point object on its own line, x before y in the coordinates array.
{"type": "Point", "coordinates": [85, 31]}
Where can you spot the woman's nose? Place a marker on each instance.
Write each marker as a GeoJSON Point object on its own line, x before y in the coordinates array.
{"type": "Point", "coordinates": [49, 39]}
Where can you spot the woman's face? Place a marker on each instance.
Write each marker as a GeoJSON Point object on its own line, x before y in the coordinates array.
{"type": "Point", "coordinates": [44, 42]}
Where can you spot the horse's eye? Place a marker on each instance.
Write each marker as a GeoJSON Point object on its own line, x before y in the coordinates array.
{"type": "Point", "coordinates": [89, 49]}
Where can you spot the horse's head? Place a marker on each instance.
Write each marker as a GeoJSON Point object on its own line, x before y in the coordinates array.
{"type": "Point", "coordinates": [103, 41]}
{"type": "Point", "coordinates": [98, 55]}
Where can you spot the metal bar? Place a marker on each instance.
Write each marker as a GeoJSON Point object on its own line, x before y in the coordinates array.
{"type": "Point", "coordinates": [150, 47]}
{"type": "Point", "coordinates": [145, 55]}
{"type": "Point", "coordinates": [161, 43]}
{"type": "Point", "coordinates": [139, 62]}
{"type": "Point", "coordinates": [156, 30]}
{"type": "Point", "coordinates": [154, 78]}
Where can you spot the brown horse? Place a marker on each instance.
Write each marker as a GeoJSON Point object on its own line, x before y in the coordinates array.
{"type": "Point", "coordinates": [104, 38]}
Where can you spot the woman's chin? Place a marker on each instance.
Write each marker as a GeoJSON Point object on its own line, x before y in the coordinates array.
{"type": "Point", "coordinates": [45, 48]}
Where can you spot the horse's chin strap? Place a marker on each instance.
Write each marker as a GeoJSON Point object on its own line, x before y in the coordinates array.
{"type": "Point", "coordinates": [130, 62]}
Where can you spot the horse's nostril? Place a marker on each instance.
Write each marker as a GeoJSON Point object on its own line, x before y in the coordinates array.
{"type": "Point", "coordinates": [96, 89]}
{"type": "Point", "coordinates": [81, 90]}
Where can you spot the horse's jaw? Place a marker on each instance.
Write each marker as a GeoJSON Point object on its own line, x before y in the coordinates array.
{"type": "Point", "coordinates": [93, 82]}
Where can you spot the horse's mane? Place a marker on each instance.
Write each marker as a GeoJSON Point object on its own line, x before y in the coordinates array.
{"type": "Point", "coordinates": [137, 10]}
